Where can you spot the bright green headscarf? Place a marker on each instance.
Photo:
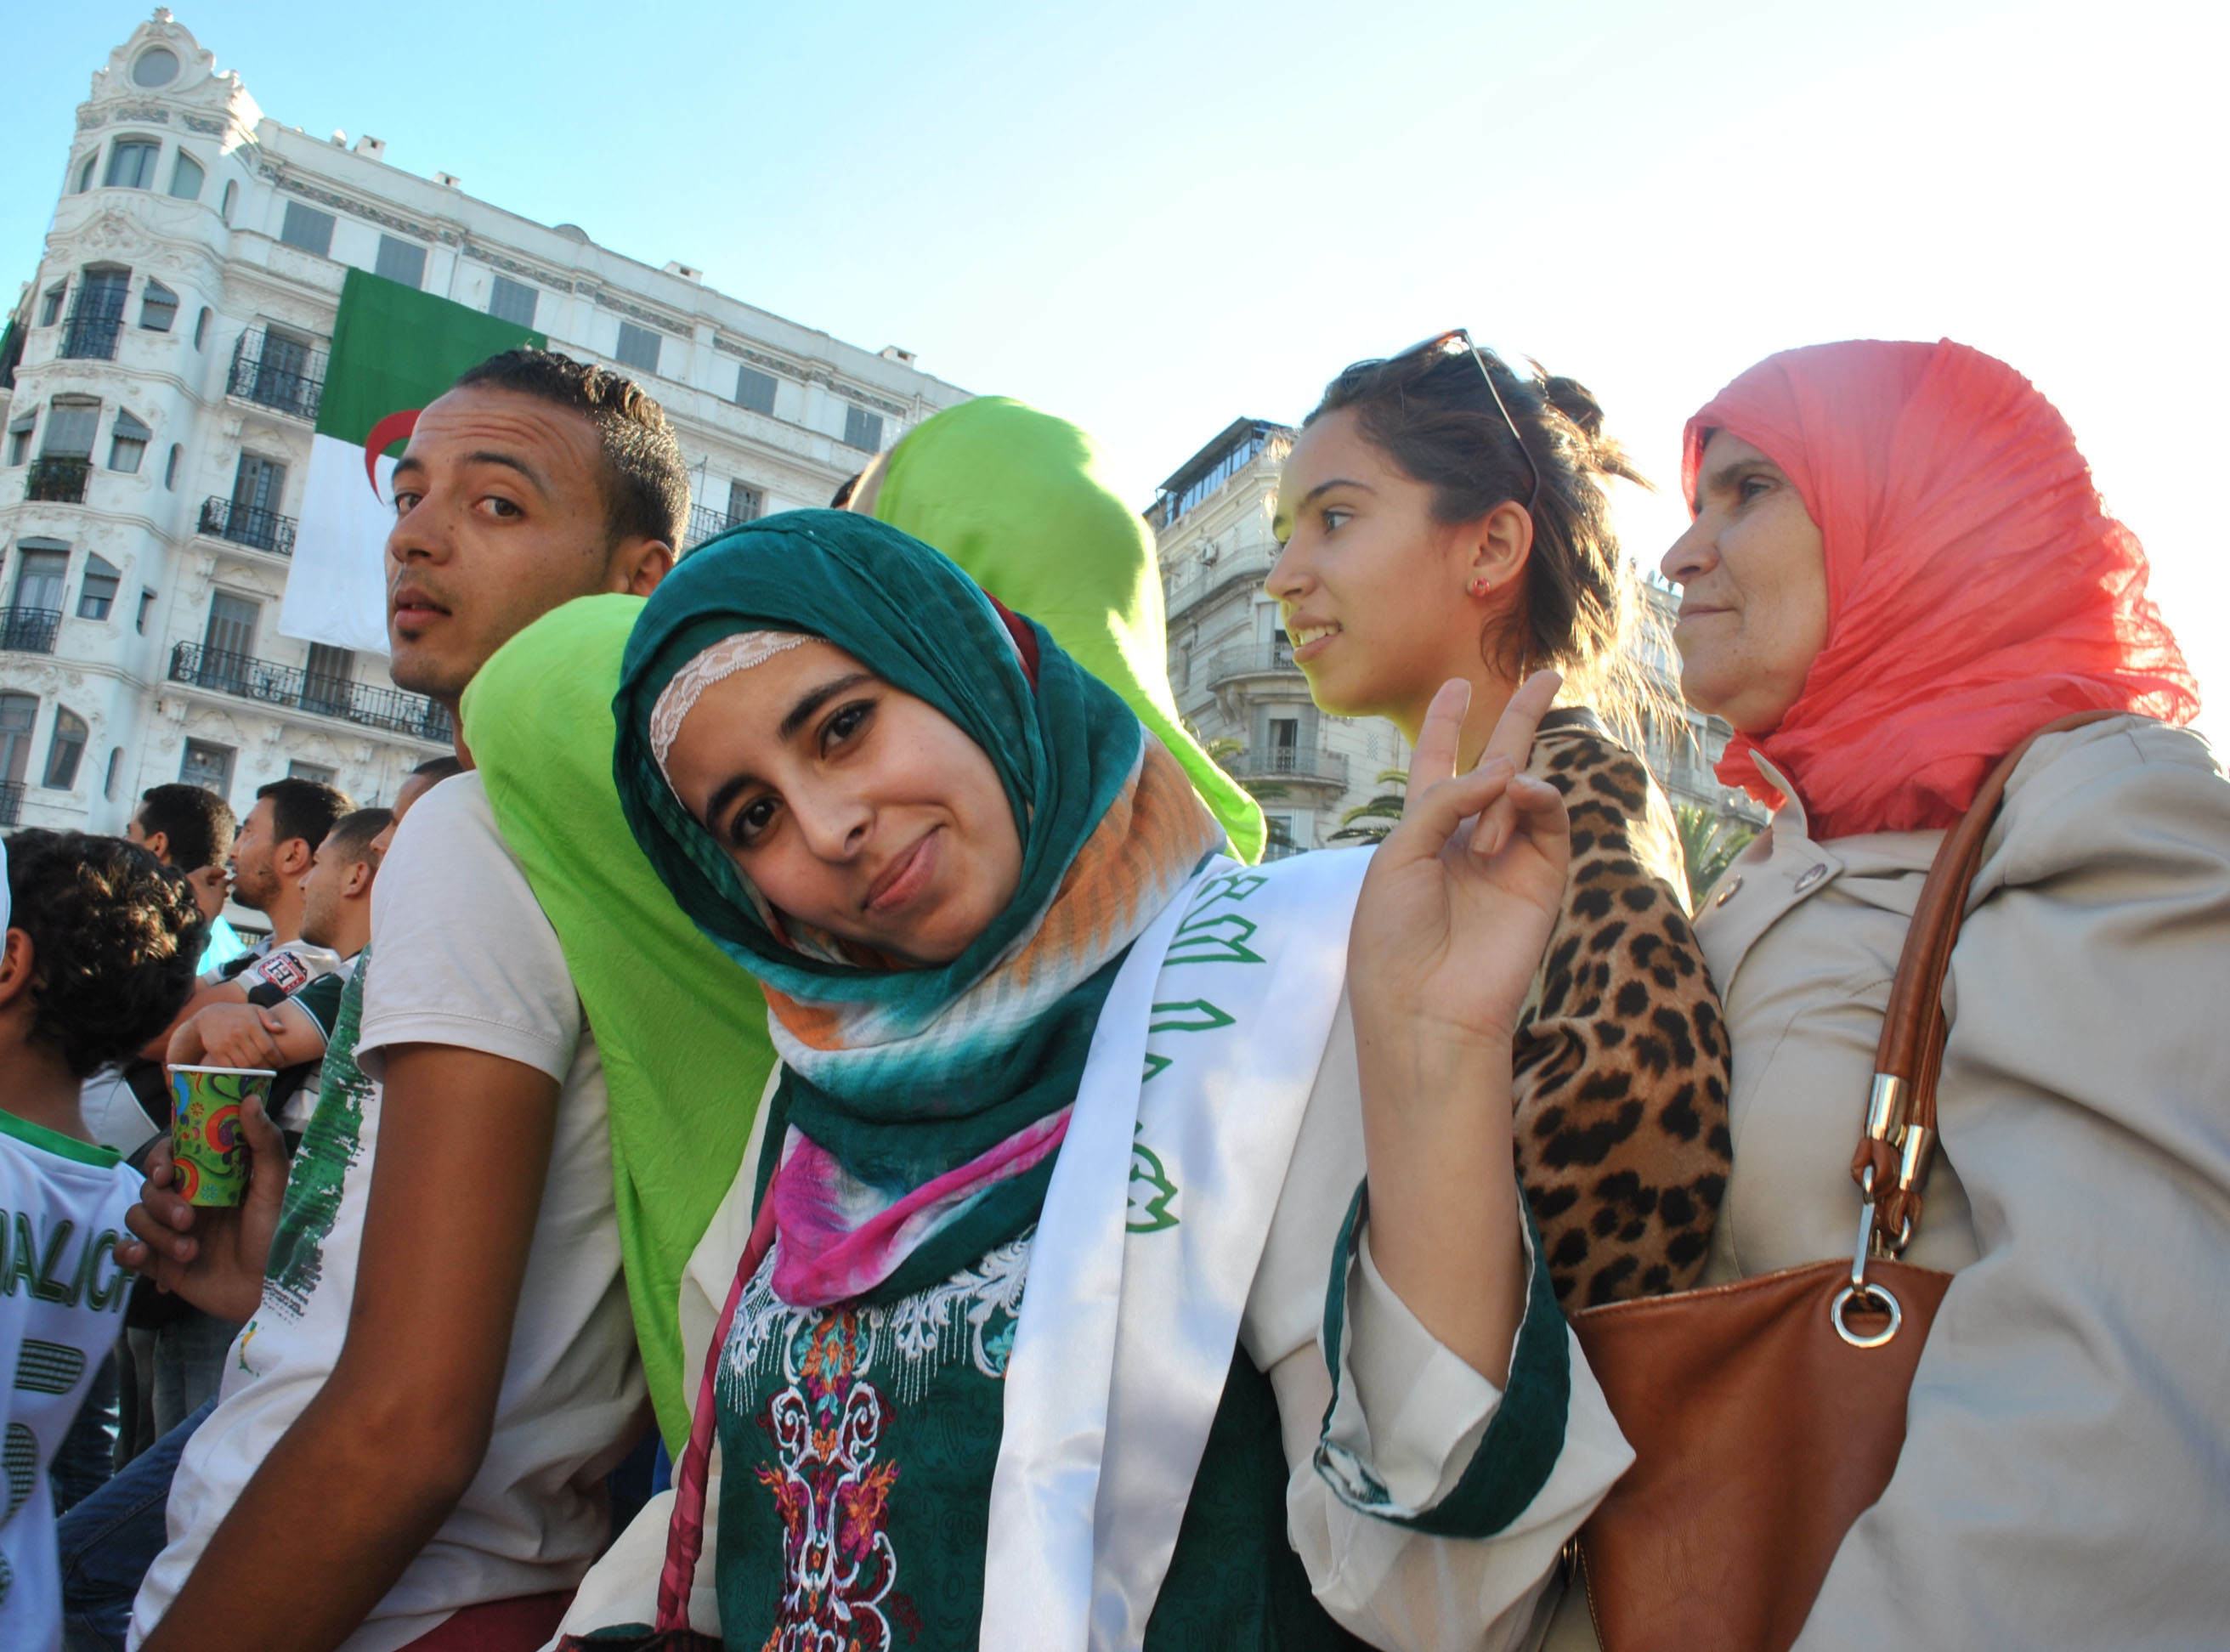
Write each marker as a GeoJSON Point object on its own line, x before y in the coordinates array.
{"type": "Point", "coordinates": [1020, 499]}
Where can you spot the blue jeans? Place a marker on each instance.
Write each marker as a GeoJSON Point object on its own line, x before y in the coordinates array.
{"type": "Point", "coordinates": [109, 1542]}
{"type": "Point", "coordinates": [189, 1365]}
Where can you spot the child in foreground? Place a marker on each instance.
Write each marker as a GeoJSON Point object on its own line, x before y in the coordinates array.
{"type": "Point", "coordinates": [99, 953]}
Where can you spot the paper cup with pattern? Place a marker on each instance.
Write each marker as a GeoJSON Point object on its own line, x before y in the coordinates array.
{"type": "Point", "coordinates": [209, 1150]}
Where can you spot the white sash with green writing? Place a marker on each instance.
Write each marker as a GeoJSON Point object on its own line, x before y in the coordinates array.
{"type": "Point", "coordinates": [1185, 1122]}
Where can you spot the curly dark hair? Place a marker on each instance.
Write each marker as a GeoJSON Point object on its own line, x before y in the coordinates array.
{"type": "Point", "coordinates": [646, 480]}
{"type": "Point", "coordinates": [115, 936]}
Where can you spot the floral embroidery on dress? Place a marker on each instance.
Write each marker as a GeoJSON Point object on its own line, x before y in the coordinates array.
{"type": "Point", "coordinates": [969, 1316]}
{"type": "Point", "coordinates": [825, 1420]}
{"type": "Point", "coordinates": [832, 1497]}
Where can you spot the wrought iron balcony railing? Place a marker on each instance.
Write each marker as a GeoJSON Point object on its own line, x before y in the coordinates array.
{"type": "Point", "coordinates": [228, 519]}
{"type": "Point", "coordinates": [277, 372]}
{"type": "Point", "coordinates": [29, 631]}
{"type": "Point", "coordinates": [95, 322]}
{"type": "Point", "coordinates": [11, 802]}
{"type": "Point", "coordinates": [704, 523]}
{"type": "Point", "coordinates": [274, 684]}
{"type": "Point", "coordinates": [1290, 762]}
{"type": "Point", "coordinates": [1250, 659]}
{"type": "Point", "coordinates": [58, 480]}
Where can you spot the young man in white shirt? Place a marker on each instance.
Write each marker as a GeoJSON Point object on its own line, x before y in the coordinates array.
{"type": "Point", "coordinates": [441, 1366]}
{"type": "Point", "coordinates": [100, 948]}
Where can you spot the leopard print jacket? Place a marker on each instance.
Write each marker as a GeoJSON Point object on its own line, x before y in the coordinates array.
{"type": "Point", "coordinates": [1622, 1060]}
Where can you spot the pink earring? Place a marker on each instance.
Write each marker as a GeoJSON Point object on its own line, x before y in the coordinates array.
{"type": "Point", "coordinates": [1480, 587]}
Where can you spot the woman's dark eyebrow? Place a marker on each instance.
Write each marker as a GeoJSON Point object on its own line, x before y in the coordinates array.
{"type": "Point", "coordinates": [814, 698]}
{"type": "Point", "coordinates": [717, 805]}
{"type": "Point", "coordinates": [1725, 476]}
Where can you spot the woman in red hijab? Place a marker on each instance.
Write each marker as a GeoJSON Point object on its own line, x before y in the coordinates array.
{"type": "Point", "coordinates": [1899, 568]}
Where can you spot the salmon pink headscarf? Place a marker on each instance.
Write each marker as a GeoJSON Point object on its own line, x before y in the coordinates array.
{"type": "Point", "coordinates": [1976, 588]}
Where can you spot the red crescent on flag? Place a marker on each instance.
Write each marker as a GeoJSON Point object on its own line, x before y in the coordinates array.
{"type": "Point", "coordinates": [396, 427]}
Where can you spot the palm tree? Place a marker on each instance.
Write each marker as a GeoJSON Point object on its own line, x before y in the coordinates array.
{"type": "Point", "coordinates": [1709, 844]}
{"type": "Point", "coordinates": [1369, 822]}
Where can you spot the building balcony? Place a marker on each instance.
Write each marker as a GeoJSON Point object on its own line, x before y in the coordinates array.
{"type": "Point", "coordinates": [290, 686]}
{"type": "Point", "coordinates": [1297, 764]}
{"type": "Point", "coordinates": [1245, 567]}
{"type": "Point", "coordinates": [11, 803]}
{"type": "Point", "coordinates": [1273, 658]}
{"type": "Point", "coordinates": [58, 480]}
{"type": "Point", "coordinates": [91, 335]}
{"type": "Point", "coordinates": [261, 529]}
{"type": "Point", "coordinates": [29, 631]}
{"type": "Point", "coordinates": [277, 373]}
{"type": "Point", "coordinates": [704, 523]}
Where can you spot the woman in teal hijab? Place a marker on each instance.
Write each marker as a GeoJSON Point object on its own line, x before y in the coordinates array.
{"type": "Point", "coordinates": [1034, 1031]}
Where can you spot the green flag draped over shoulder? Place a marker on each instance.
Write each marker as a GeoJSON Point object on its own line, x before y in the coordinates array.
{"type": "Point", "coordinates": [681, 1029]}
{"type": "Point", "coordinates": [1020, 499]}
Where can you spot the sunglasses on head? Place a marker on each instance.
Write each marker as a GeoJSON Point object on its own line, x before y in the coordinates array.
{"type": "Point", "coordinates": [1458, 340]}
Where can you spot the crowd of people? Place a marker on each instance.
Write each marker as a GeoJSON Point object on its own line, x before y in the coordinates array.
{"type": "Point", "coordinates": [814, 1133]}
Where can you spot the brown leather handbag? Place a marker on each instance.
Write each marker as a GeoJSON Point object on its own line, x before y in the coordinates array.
{"type": "Point", "coordinates": [1766, 1416]}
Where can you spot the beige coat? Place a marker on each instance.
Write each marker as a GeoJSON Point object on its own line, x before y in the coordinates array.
{"type": "Point", "coordinates": [2065, 1477]}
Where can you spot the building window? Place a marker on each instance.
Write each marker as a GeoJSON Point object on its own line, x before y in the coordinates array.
{"type": "Point", "coordinates": [231, 626]}
{"type": "Point", "coordinates": [862, 429]}
{"type": "Point", "coordinates": [127, 443]}
{"type": "Point", "coordinates": [146, 605]}
{"type": "Point", "coordinates": [19, 715]}
{"type": "Point", "coordinates": [259, 489]}
{"type": "Point", "coordinates": [512, 301]}
{"type": "Point", "coordinates": [50, 307]}
{"type": "Point", "coordinates": [208, 765]}
{"type": "Point", "coordinates": [158, 307]}
{"type": "Point", "coordinates": [231, 194]}
{"type": "Point", "coordinates": [325, 679]}
{"type": "Point", "coordinates": [98, 315]}
{"type": "Point", "coordinates": [200, 327]}
{"type": "Point", "coordinates": [158, 66]}
{"type": "Point", "coordinates": [745, 503]}
{"type": "Point", "coordinates": [115, 764]}
{"type": "Point", "coordinates": [186, 176]}
{"type": "Point", "coordinates": [40, 572]}
{"type": "Point", "coordinates": [96, 592]}
{"type": "Point", "coordinates": [19, 435]}
{"type": "Point", "coordinates": [132, 164]}
{"type": "Point", "coordinates": [308, 228]}
{"type": "Point", "coordinates": [401, 260]}
{"type": "Point", "coordinates": [755, 389]}
{"type": "Point", "coordinates": [170, 471]}
{"type": "Point", "coordinates": [85, 172]}
{"type": "Point", "coordinates": [65, 749]}
{"type": "Point", "coordinates": [638, 347]}
{"type": "Point", "coordinates": [70, 432]}
{"type": "Point", "coordinates": [298, 769]}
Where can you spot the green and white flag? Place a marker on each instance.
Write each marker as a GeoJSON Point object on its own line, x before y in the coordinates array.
{"type": "Point", "coordinates": [395, 349]}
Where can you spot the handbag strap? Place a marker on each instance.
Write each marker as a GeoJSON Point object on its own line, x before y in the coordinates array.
{"type": "Point", "coordinates": [1892, 1155]}
{"type": "Point", "coordinates": [685, 1531]}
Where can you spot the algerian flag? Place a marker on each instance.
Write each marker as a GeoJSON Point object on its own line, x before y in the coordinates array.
{"type": "Point", "coordinates": [395, 349]}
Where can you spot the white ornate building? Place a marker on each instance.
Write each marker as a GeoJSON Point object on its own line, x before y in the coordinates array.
{"type": "Point", "coordinates": [161, 375]}
{"type": "Point", "coordinates": [1232, 667]}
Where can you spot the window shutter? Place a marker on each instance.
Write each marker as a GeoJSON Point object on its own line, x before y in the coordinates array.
{"type": "Point", "coordinates": [308, 228]}
{"type": "Point", "coordinates": [404, 262]}
{"type": "Point", "coordinates": [512, 301]}
{"type": "Point", "coordinates": [638, 347]}
{"type": "Point", "coordinates": [755, 389]}
{"type": "Point", "coordinates": [862, 429]}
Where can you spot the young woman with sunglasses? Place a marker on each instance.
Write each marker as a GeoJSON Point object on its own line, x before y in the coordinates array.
{"type": "Point", "coordinates": [1443, 517]}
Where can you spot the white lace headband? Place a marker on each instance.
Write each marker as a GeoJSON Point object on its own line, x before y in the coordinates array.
{"type": "Point", "coordinates": [717, 664]}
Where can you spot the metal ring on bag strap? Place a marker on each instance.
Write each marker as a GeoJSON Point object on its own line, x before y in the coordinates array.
{"type": "Point", "coordinates": [1870, 1293]}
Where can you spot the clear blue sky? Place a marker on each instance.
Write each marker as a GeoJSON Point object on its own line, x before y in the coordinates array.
{"type": "Point", "coordinates": [1153, 217]}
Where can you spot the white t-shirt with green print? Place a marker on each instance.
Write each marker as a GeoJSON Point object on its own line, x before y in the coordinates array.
{"type": "Point", "coordinates": [62, 1304]}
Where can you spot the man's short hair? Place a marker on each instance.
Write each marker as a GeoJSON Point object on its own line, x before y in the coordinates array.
{"type": "Point", "coordinates": [303, 808]}
{"type": "Point", "coordinates": [115, 935]}
{"type": "Point", "coordinates": [352, 834]}
{"type": "Point", "coordinates": [646, 483]}
{"type": "Point", "coordinates": [435, 769]}
{"type": "Point", "coordinates": [197, 824]}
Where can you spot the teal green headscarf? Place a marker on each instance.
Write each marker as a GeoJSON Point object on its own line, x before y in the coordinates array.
{"type": "Point", "coordinates": [930, 1098]}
